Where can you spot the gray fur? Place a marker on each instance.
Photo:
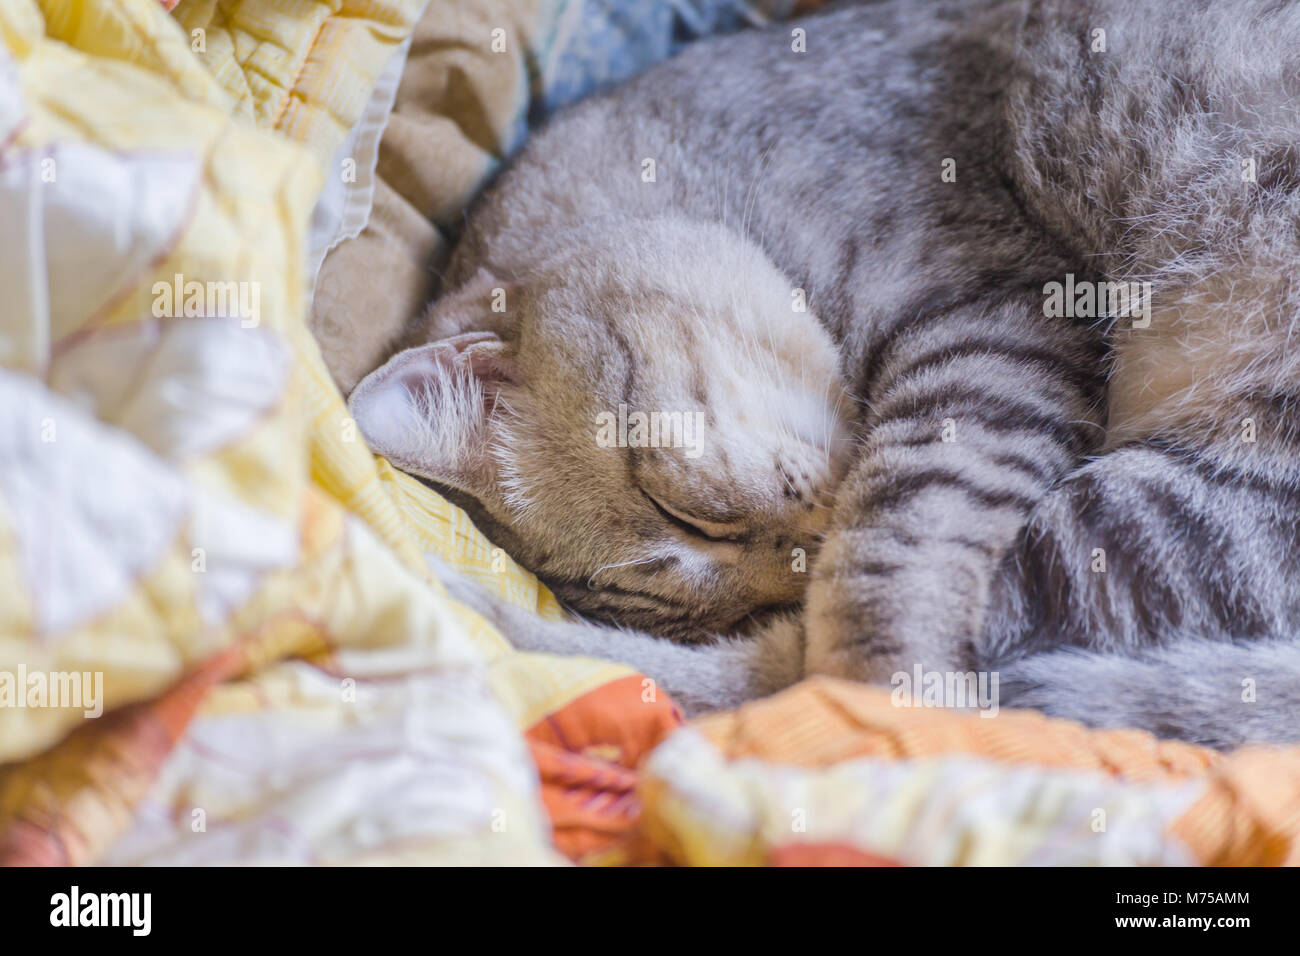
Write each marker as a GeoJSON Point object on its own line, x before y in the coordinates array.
{"type": "Point", "coordinates": [820, 171]}
{"type": "Point", "coordinates": [1204, 692]}
{"type": "Point", "coordinates": [723, 673]}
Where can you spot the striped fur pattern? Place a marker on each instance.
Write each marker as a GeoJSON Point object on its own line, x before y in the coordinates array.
{"type": "Point", "coordinates": [1103, 507]}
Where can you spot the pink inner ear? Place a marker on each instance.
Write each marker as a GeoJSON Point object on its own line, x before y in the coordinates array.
{"type": "Point", "coordinates": [465, 339]}
{"type": "Point", "coordinates": [441, 434]}
{"type": "Point", "coordinates": [489, 362]}
{"type": "Point", "coordinates": [413, 373]}
{"type": "Point", "coordinates": [481, 353]}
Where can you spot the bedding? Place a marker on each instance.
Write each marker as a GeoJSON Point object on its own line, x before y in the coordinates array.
{"type": "Point", "coordinates": [195, 540]}
{"type": "Point", "coordinates": [833, 773]}
{"type": "Point", "coordinates": [184, 505]}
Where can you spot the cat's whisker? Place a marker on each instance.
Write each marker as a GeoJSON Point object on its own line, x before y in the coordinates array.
{"type": "Point", "coordinates": [621, 564]}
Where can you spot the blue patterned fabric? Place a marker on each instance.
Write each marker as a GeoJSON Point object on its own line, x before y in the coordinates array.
{"type": "Point", "coordinates": [615, 39]}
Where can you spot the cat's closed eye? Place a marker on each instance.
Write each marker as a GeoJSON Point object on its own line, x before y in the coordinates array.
{"type": "Point", "coordinates": [719, 532]}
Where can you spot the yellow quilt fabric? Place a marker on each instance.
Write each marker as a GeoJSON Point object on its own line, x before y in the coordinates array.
{"type": "Point", "coordinates": [184, 501]}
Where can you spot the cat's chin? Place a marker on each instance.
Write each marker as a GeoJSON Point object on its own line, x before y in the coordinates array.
{"type": "Point", "coordinates": [748, 624]}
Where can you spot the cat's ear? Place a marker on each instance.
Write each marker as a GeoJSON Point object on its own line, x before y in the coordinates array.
{"type": "Point", "coordinates": [429, 410]}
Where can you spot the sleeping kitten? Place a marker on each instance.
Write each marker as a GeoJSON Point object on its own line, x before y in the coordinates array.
{"type": "Point", "coordinates": [869, 247]}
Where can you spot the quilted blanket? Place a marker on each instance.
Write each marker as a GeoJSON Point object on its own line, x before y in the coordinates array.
{"type": "Point", "coordinates": [220, 638]}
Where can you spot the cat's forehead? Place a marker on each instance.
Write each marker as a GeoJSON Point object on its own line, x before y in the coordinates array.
{"type": "Point", "coordinates": [662, 324]}
{"type": "Point", "coordinates": [607, 329]}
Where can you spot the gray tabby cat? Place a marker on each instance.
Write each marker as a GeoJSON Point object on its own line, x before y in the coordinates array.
{"type": "Point", "coordinates": [1099, 501]}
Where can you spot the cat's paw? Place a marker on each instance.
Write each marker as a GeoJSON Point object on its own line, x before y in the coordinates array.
{"type": "Point", "coordinates": [838, 642]}
{"type": "Point", "coordinates": [842, 636]}
{"type": "Point", "coordinates": [869, 620]}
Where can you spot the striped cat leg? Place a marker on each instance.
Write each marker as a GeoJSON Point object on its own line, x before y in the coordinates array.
{"type": "Point", "coordinates": [1149, 543]}
{"type": "Point", "coordinates": [1143, 560]}
{"type": "Point", "coordinates": [973, 415]}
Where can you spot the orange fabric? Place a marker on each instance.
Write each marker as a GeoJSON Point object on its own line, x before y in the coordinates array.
{"type": "Point", "coordinates": [587, 753]}
{"type": "Point", "coordinates": [1249, 814]}
{"type": "Point", "coordinates": [823, 720]}
{"type": "Point", "coordinates": [825, 854]}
